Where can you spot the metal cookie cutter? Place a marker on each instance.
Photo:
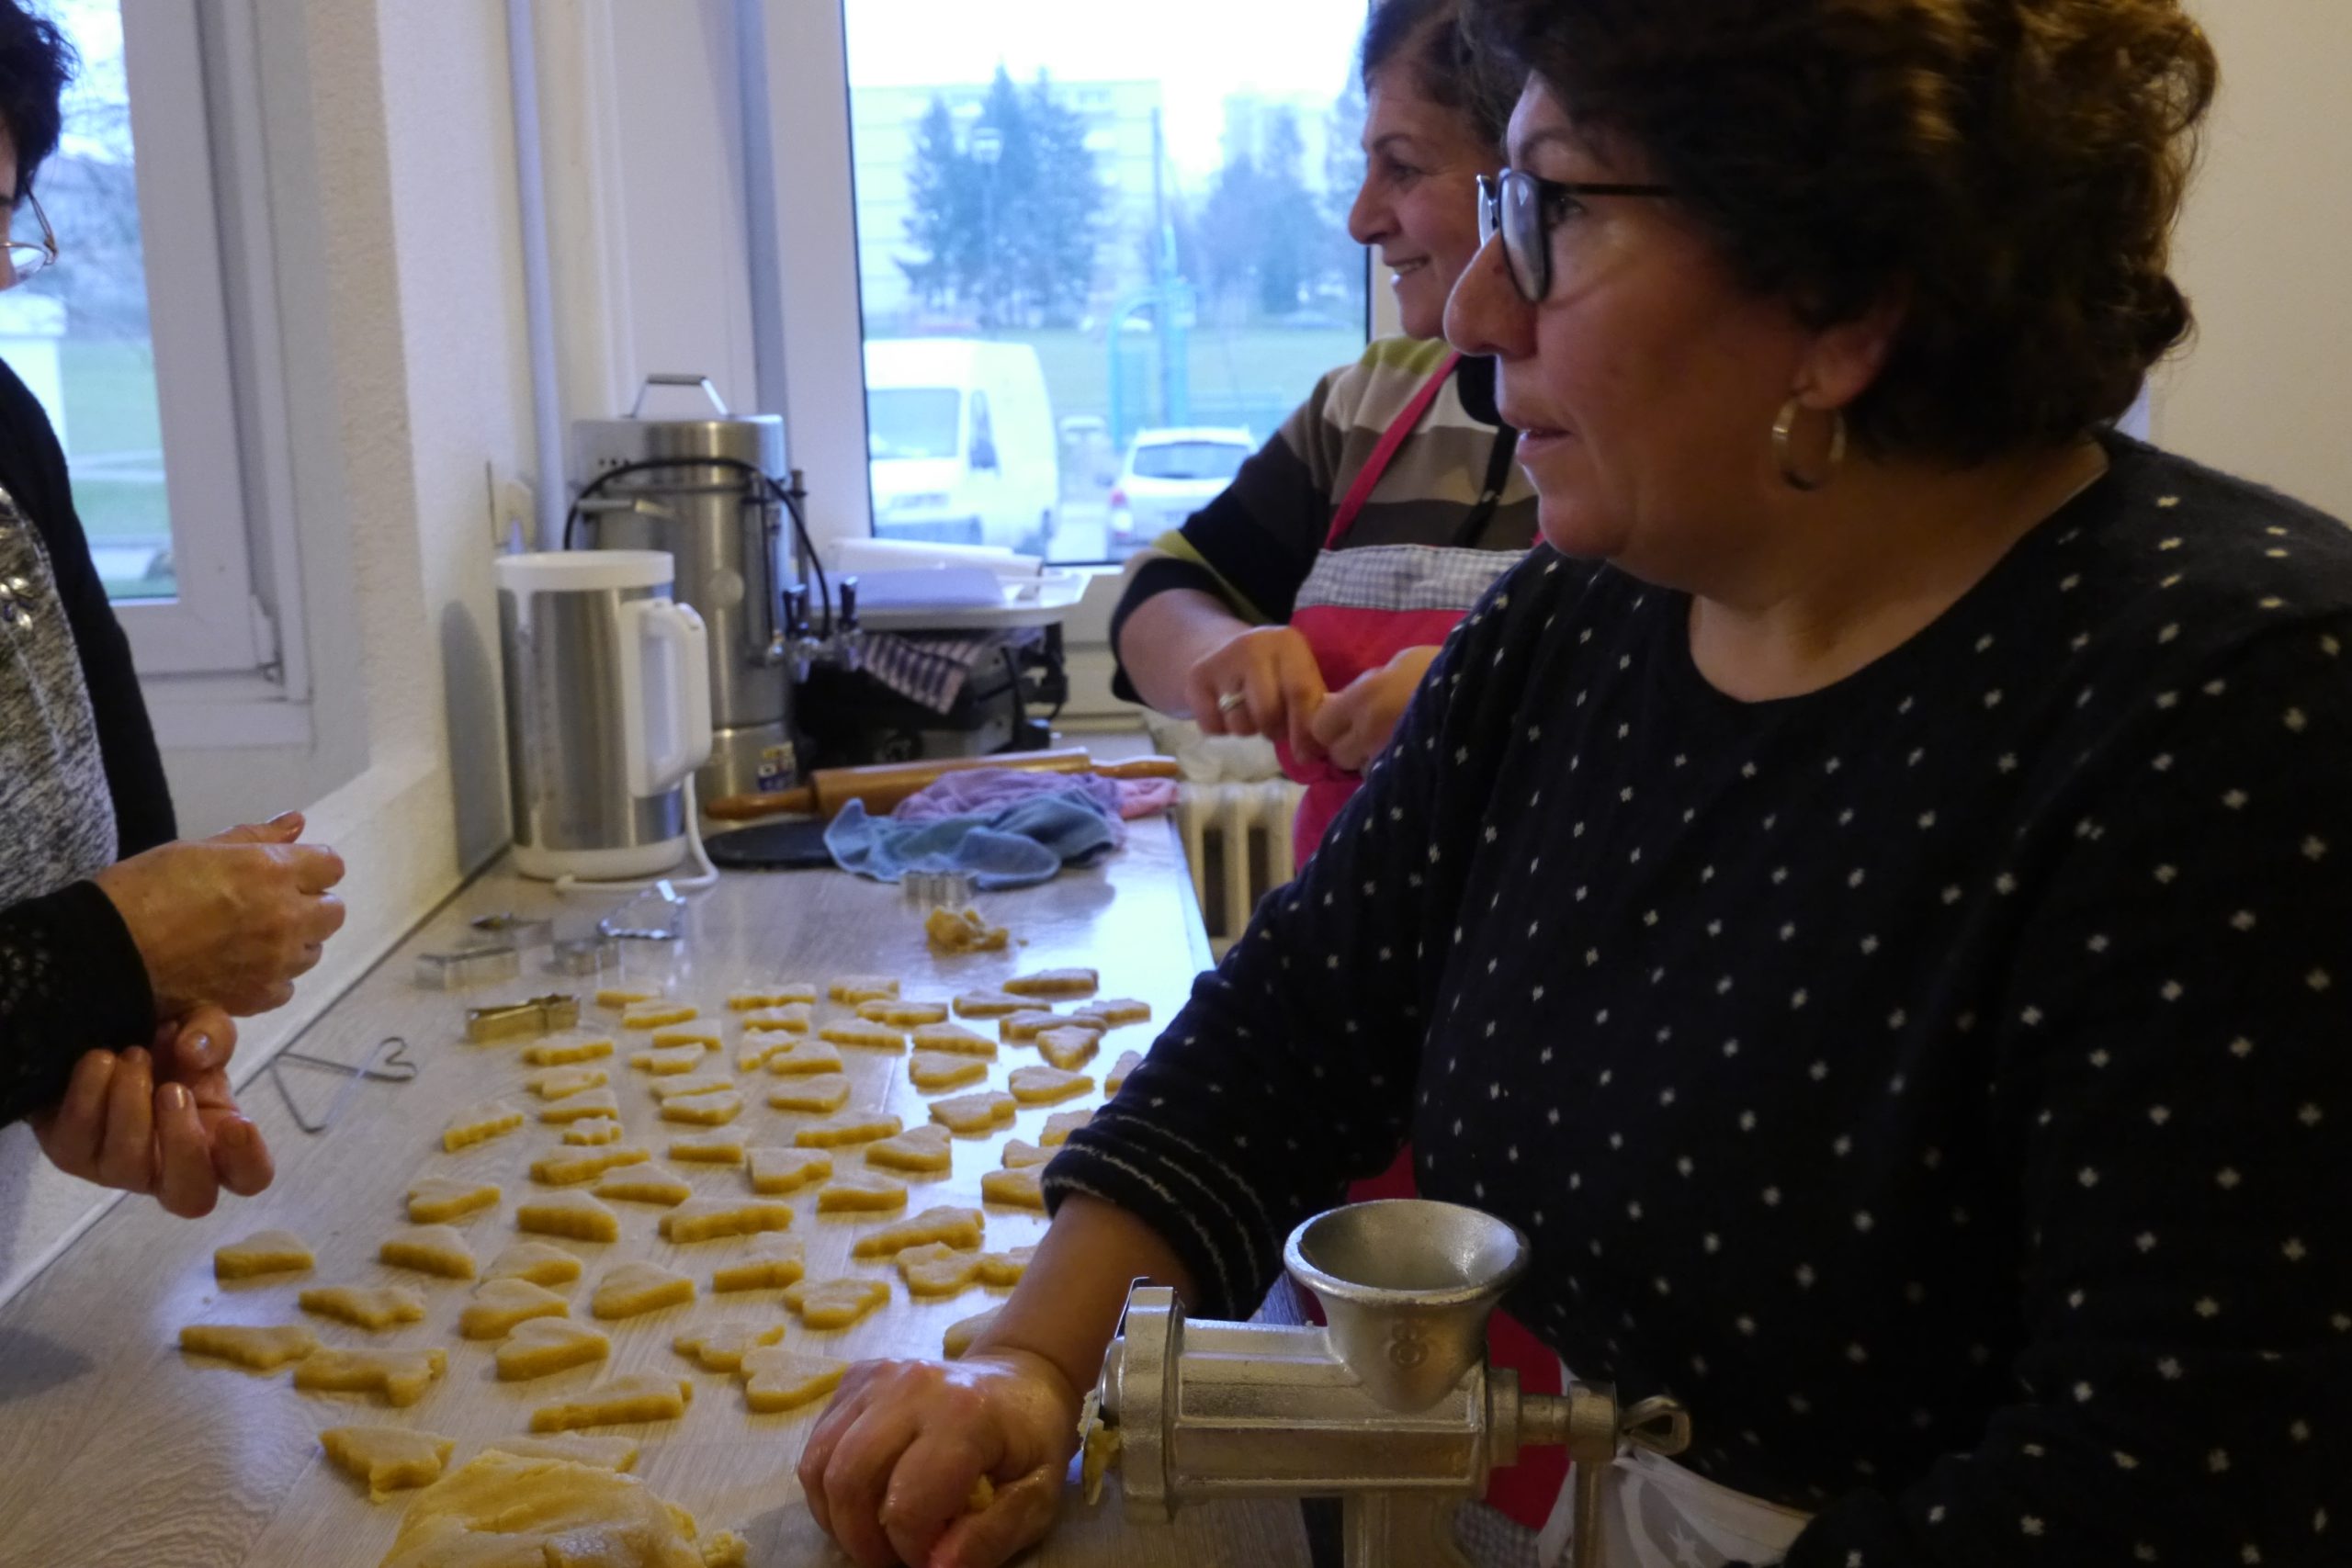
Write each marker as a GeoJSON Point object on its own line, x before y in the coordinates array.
{"type": "Point", "coordinates": [658, 914]}
{"type": "Point", "coordinates": [522, 1020]}
{"type": "Point", "coordinates": [388, 1063]}
{"type": "Point", "coordinates": [468, 967]}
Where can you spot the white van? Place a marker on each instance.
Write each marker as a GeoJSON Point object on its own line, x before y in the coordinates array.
{"type": "Point", "coordinates": [962, 441]}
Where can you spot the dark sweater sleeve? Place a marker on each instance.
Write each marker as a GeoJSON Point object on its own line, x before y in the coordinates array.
{"type": "Point", "coordinates": [2172, 1100]}
{"type": "Point", "coordinates": [1292, 1069]}
{"type": "Point", "coordinates": [33, 466]}
{"type": "Point", "coordinates": [71, 981]}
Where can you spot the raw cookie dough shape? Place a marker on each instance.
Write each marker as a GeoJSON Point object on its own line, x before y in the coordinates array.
{"type": "Point", "coordinates": [401, 1376]}
{"type": "Point", "coordinates": [569, 1168]}
{"type": "Point", "coordinates": [1046, 1086]}
{"type": "Point", "coordinates": [429, 1249]}
{"type": "Point", "coordinates": [900, 1014]}
{"type": "Point", "coordinates": [933, 1070]}
{"type": "Point", "coordinates": [754, 1054]}
{"type": "Point", "coordinates": [1068, 1048]}
{"type": "Point", "coordinates": [437, 1200]}
{"type": "Point", "coordinates": [619, 998]}
{"type": "Point", "coordinates": [701, 1035]}
{"type": "Point", "coordinates": [865, 1036]}
{"type": "Point", "coordinates": [607, 1450]}
{"type": "Point", "coordinates": [963, 1331]}
{"type": "Point", "coordinates": [721, 1346]}
{"type": "Point", "coordinates": [645, 1184]}
{"type": "Point", "coordinates": [959, 1228]}
{"type": "Point", "coordinates": [658, 1015]}
{"type": "Point", "coordinates": [258, 1349]}
{"type": "Point", "coordinates": [478, 1123]}
{"type": "Point", "coordinates": [591, 1132]}
{"type": "Point", "coordinates": [1019, 1188]}
{"type": "Point", "coordinates": [775, 1379]}
{"type": "Point", "coordinates": [633, 1396]}
{"type": "Point", "coordinates": [982, 1113]}
{"type": "Point", "coordinates": [934, 1268]}
{"type": "Point", "coordinates": [708, 1219]}
{"type": "Point", "coordinates": [667, 1059]}
{"type": "Point", "coordinates": [715, 1109]}
{"type": "Point", "coordinates": [854, 988]}
{"type": "Point", "coordinates": [1115, 1012]}
{"type": "Point", "coordinates": [771, 1263]}
{"type": "Point", "coordinates": [669, 1089]}
{"type": "Point", "coordinates": [1019, 1154]}
{"type": "Point", "coordinates": [580, 1106]}
{"type": "Point", "coordinates": [861, 1192]}
{"type": "Point", "coordinates": [835, 1303]}
{"type": "Point", "coordinates": [856, 1127]}
{"type": "Point", "coordinates": [1061, 1125]}
{"type": "Point", "coordinates": [798, 1017]}
{"type": "Point", "coordinates": [631, 1289]}
{"type": "Point", "coordinates": [540, 1345]}
{"type": "Point", "coordinates": [954, 1039]}
{"type": "Point", "coordinates": [499, 1305]}
{"type": "Point", "coordinates": [389, 1458]}
{"type": "Point", "coordinates": [537, 1261]}
{"type": "Point", "coordinates": [924, 1148]}
{"type": "Point", "coordinates": [1056, 983]}
{"type": "Point", "coordinates": [555, 1083]}
{"type": "Point", "coordinates": [364, 1306]}
{"type": "Point", "coordinates": [1117, 1078]}
{"type": "Point", "coordinates": [709, 1148]}
{"type": "Point", "coordinates": [501, 1510]}
{"type": "Point", "coordinates": [563, 1053]}
{"type": "Point", "coordinates": [1024, 1026]}
{"type": "Point", "coordinates": [264, 1252]}
{"type": "Point", "coordinates": [574, 1214]}
{"type": "Point", "coordinates": [822, 1092]}
{"type": "Point", "coordinates": [801, 1058]}
{"type": "Point", "coordinates": [777, 1171]}
{"type": "Point", "coordinates": [755, 998]}
{"type": "Point", "coordinates": [987, 1004]}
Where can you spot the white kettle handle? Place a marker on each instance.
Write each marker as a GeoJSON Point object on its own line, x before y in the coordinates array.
{"type": "Point", "coordinates": [665, 693]}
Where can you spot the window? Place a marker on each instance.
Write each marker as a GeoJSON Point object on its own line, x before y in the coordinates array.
{"type": "Point", "coordinates": [133, 362]}
{"type": "Point", "coordinates": [1113, 252]}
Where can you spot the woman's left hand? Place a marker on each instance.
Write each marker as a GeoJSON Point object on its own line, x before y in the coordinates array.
{"type": "Point", "coordinates": [1355, 722]}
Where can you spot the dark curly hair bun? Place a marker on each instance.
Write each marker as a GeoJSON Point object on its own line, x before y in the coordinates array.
{"type": "Point", "coordinates": [2009, 169]}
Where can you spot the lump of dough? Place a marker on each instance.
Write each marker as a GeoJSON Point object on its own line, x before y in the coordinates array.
{"type": "Point", "coordinates": [537, 1261]}
{"type": "Point", "coordinates": [961, 1228]}
{"type": "Point", "coordinates": [543, 1345]}
{"type": "Point", "coordinates": [963, 931]}
{"type": "Point", "coordinates": [264, 1252]}
{"type": "Point", "coordinates": [389, 1458]}
{"type": "Point", "coordinates": [260, 1349]}
{"type": "Point", "coordinates": [633, 1396]}
{"type": "Point", "coordinates": [776, 1379]}
{"type": "Point", "coordinates": [429, 1249]}
{"type": "Point", "coordinates": [631, 1289]}
{"type": "Point", "coordinates": [401, 1376]}
{"type": "Point", "coordinates": [503, 1510]}
{"type": "Point", "coordinates": [499, 1305]}
{"type": "Point", "coordinates": [364, 1306]}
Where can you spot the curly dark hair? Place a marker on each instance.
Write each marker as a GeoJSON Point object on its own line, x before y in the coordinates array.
{"type": "Point", "coordinates": [2009, 169]}
{"type": "Point", "coordinates": [36, 63]}
{"type": "Point", "coordinates": [1426, 37]}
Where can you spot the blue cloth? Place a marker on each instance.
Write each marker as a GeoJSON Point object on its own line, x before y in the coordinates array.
{"type": "Point", "coordinates": [1018, 846]}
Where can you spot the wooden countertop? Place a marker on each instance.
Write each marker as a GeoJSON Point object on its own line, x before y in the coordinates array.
{"type": "Point", "coordinates": [117, 1449]}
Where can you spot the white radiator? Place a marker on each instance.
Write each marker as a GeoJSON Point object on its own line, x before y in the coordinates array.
{"type": "Point", "coordinates": [1238, 841]}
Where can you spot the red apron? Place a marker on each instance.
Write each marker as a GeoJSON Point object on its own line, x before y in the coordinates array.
{"type": "Point", "coordinates": [1357, 610]}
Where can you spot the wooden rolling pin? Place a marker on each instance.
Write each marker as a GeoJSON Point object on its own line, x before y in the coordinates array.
{"type": "Point", "coordinates": [884, 784]}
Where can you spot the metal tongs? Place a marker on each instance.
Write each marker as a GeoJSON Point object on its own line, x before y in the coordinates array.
{"type": "Point", "coordinates": [526, 1020]}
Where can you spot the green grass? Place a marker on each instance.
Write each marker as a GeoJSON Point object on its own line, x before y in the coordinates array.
{"type": "Point", "coordinates": [110, 396]}
{"type": "Point", "coordinates": [1258, 368]}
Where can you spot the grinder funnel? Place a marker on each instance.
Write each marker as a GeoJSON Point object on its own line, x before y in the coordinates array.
{"type": "Point", "coordinates": [1405, 1286]}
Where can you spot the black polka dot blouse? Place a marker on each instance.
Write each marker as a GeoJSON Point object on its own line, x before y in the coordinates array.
{"type": "Point", "coordinates": [1941, 1082]}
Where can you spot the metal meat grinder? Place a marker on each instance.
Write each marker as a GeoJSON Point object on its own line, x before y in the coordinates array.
{"type": "Point", "coordinates": [1392, 1406]}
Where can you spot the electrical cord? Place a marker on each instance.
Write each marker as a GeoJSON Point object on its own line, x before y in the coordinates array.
{"type": "Point", "coordinates": [570, 884]}
{"type": "Point", "coordinates": [770, 491]}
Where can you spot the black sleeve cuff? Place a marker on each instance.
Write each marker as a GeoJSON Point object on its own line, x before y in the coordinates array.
{"type": "Point", "coordinates": [71, 981]}
{"type": "Point", "coordinates": [1151, 577]}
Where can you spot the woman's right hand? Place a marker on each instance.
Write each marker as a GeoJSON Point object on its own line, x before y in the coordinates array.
{"type": "Point", "coordinates": [1264, 682]}
{"type": "Point", "coordinates": [231, 919]}
{"type": "Point", "coordinates": [889, 1471]}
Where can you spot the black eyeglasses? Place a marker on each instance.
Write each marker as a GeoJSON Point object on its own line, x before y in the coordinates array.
{"type": "Point", "coordinates": [1524, 209]}
{"type": "Point", "coordinates": [28, 257]}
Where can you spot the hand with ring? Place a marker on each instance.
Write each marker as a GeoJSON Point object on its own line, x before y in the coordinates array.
{"type": "Point", "coordinates": [1263, 682]}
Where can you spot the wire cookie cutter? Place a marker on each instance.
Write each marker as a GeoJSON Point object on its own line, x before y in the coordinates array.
{"type": "Point", "coordinates": [388, 1063]}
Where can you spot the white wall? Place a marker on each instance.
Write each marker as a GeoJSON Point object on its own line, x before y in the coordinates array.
{"type": "Point", "coordinates": [392, 173]}
{"type": "Point", "coordinates": [2266, 257]}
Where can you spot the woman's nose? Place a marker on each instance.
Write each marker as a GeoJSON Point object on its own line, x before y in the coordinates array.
{"type": "Point", "coordinates": [1484, 314]}
{"type": "Point", "coordinates": [1369, 220]}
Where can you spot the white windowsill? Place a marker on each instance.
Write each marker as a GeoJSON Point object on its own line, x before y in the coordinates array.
{"type": "Point", "coordinates": [221, 712]}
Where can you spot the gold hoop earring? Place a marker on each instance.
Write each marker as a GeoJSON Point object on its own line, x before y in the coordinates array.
{"type": "Point", "coordinates": [1784, 427]}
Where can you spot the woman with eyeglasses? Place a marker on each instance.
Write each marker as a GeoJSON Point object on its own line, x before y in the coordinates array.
{"type": "Point", "coordinates": [125, 956]}
{"type": "Point", "coordinates": [1872, 901]}
{"type": "Point", "coordinates": [1305, 603]}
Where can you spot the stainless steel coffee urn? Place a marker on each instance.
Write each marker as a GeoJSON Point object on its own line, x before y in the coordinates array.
{"type": "Point", "coordinates": [705, 488]}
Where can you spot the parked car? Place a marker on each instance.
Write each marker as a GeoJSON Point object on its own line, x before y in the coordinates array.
{"type": "Point", "coordinates": [962, 443]}
{"type": "Point", "coordinates": [1171, 473]}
